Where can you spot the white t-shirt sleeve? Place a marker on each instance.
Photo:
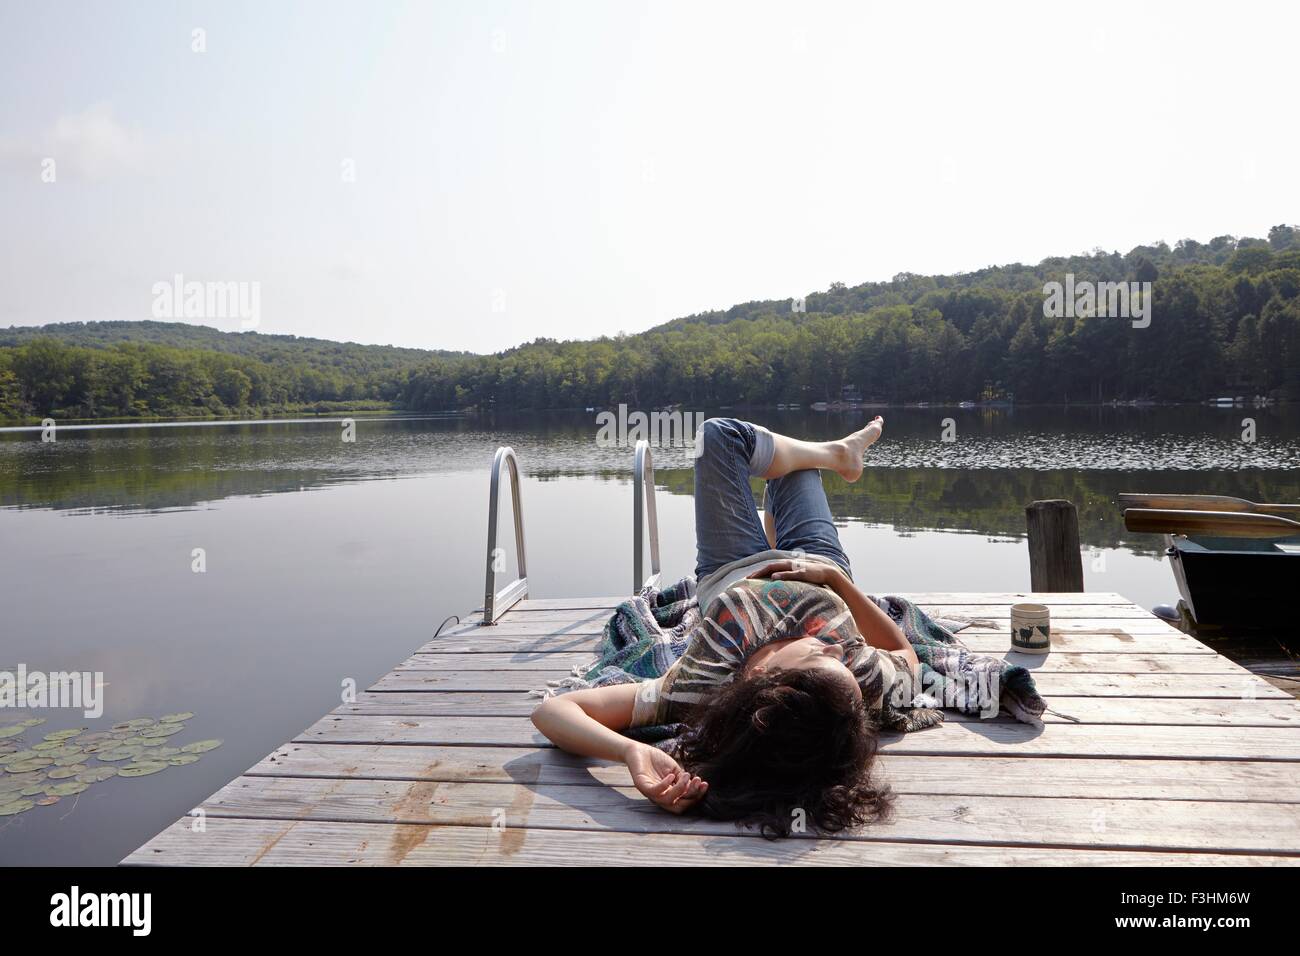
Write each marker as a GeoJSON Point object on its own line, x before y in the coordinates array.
{"type": "Point", "coordinates": [646, 705]}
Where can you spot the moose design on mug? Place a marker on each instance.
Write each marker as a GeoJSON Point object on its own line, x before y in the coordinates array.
{"type": "Point", "coordinates": [1031, 628]}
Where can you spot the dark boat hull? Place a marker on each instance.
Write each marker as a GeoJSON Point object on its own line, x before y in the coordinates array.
{"type": "Point", "coordinates": [1237, 582]}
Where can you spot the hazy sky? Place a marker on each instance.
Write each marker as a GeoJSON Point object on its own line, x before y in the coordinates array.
{"type": "Point", "coordinates": [574, 169]}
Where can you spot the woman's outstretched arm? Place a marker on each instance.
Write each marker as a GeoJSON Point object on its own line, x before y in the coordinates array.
{"type": "Point", "coordinates": [877, 628]}
{"type": "Point", "coordinates": [587, 723]}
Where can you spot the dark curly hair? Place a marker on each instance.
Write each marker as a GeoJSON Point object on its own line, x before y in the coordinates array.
{"type": "Point", "coordinates": [773, 744]}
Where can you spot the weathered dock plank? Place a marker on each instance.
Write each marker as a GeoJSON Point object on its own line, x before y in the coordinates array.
{"type": "Point", "coordinates": [1230, 712]}
{"type": "Point", "coordinates": [982, 640]}
{"type": "Point", "coordinates": [1050, 683]}
{"type": "Point", "coordinates": [1116, 778]}
{"type": "Point", "coordinates": [559, 664]}
{"type": "Point", "coordinates": [559, 629]}
{"type": "Point", "coordinates": [595, 617]}
{"type": "Point", "coordinates": [995, 598]}
{"type": "Point", "coordinates": [1220, 826]}
{"type": "Point", "coordinates": [998, 736]}
{"type": "Point", "coordinates": [246, 842]}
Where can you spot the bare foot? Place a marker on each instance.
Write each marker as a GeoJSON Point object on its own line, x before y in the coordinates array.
{"type": "Point", "coordinates": [852, 448]}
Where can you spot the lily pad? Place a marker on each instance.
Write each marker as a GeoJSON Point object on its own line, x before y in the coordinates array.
{"type": "Point", "coordinates": [22, 766]}
{"type": "Point", "coordinates": [162, 730]}
{"type": "Point", "coordinates": [135, 724]}
{"type": "Point", "coordinates": [64, 734]}
{"type": "Point", "coordinates": [63, 773]}
{"type": "Point", "coordinates": [34, 790]}
{"type": "Point", "coordinates": [98, 736]}
{"type": "Point", "coordinates": [32, 722]}
{"type": "Point", "coordinates": [142, 769]}
{"type": "Point", "coordinates": [66, 789]}
{"type": "Point", "coordinates": [45, 745]}
{"type": "Point", "coordinates": [68, 759]}
{"type": "Point", "coordinates": [174, 718]}
{"type": "Point", "coordinates": [13, 730]}
{"type": "Point", "coordinates": [22, 779]}
{"type": "Point", "coordinates": [96, 774]}
{"type": "Point", "coordinates": [183, 760]}
{"type": "Point", "coordinates": [16, 806]}
{"type": "Point", "coordinates": [121, 753]}
{"type": "Point", "coordinates": [201, 746]}
{"type": "Point", "coordinates": [16, 756]}
{"type": "Point", "coordinates": [48, 801]}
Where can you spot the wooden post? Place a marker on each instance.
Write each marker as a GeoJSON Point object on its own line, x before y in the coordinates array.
{"type": "Point", "coordinates": [1055, 563]}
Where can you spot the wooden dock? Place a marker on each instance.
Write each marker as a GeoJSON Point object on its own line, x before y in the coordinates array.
{"type": "Point", "coordinates": [1178, 756]}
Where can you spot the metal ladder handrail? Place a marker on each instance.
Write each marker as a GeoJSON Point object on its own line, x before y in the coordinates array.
{"type": "Point", "coordinates": [643, 506]}
{"type": "Point", "coordinates": [496, 603]}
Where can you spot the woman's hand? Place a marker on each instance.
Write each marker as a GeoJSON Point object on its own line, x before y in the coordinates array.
{"type": "Point", "coordinates": [813, 572]}
{"type": "Point", "coordinates": [662, 779]}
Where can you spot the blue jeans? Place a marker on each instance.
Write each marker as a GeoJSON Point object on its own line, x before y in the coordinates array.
{"type": "Point", "coordinates": [727, 527]}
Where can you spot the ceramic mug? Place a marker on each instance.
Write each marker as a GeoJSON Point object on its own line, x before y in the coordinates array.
{"type": "Point", "coordinates": [1031, 628]}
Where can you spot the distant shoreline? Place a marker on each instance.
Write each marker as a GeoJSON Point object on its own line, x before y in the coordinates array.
{"type": "Point", "coordinates": [338, 415]}
{"type": "Point", "coordinates": [289, 418]}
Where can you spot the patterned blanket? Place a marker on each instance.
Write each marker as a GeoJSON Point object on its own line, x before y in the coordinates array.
{"type": "Point", "coordinates": [647, 633]}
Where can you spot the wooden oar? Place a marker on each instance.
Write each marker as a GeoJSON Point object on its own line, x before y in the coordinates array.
{"type": "Point", "coordinates": [1224, 524]}
{"type": "Point", "coordinates": [1207, 503]}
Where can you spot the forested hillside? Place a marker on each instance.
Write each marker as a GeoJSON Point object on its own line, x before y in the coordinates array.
{"type": "Point", "coordinates": [126, 369]}
{"type": "Point", "coordinates": [1225, 320]}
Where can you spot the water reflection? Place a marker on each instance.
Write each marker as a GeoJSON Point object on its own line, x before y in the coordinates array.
{"type": "Point", "coordinates": [1002, 459]}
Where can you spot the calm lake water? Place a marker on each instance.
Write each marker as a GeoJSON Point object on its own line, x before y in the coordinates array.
{"type": "Point", "coordinates": [328, 561]}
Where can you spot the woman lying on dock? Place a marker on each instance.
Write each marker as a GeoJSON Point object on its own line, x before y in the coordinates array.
{"type": "Point", "coordinates": [781, 681]}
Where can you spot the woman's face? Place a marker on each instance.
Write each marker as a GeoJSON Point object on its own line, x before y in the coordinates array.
{"type": "Point", "coordinates": [804, 653]}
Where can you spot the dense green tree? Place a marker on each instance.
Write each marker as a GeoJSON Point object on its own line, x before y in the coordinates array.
{"type": "Point", "coordinates": [234, 387]}
{"type": "Point", "coordinates": [11, 401]}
